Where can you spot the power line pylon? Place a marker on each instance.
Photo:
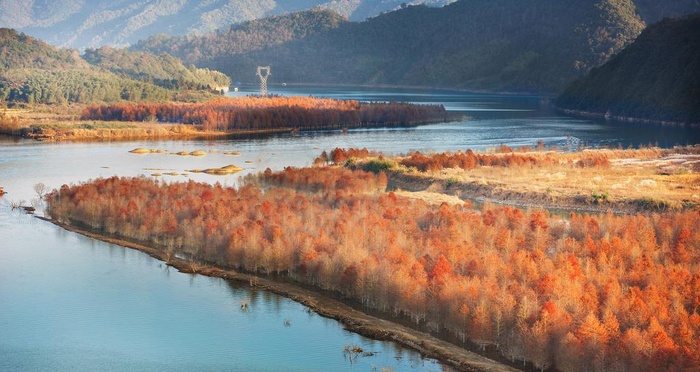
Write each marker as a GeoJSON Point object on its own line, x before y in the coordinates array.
{"type": "Point", "coordinates": [263, 73]}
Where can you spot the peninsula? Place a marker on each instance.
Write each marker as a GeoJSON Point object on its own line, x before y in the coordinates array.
{"type": "Point", "coordinates": [503, 278]}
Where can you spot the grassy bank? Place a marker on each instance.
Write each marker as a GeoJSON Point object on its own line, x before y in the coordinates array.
{"type": "Point", "coordinates": [629, 181]}
{"type": "Point", "coordinates": [44, 124]}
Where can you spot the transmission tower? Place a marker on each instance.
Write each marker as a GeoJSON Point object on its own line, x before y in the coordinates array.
{"type": "Point", "coordinates": [263, 73]}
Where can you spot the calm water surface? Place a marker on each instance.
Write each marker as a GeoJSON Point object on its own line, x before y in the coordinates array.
{"type": "Point", "coordinates": [493, 119]}
{"type": "Point", "coordinates": [70, 303]}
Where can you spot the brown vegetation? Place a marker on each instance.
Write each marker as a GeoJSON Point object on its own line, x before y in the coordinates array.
{"type": "Point", "coordinates": [649, 179]}
{"type": "Point", "coordinates": [579, 292]}
{"type": "Point", "coordinates": [352, 319]}
{"type": "Point", "coordinates": [220, 117]}
{"type": "Point", "coordinates": [266, 113]}
{"type": "Point", "coordinates": [61, 124]}
{"type": "Point", "coordinates": [9, 122]}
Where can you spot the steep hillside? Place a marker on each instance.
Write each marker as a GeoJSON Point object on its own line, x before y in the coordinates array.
{"type": "Point", "coordinates": [32, 71]}
{"type": "Point", "coordinates": [81, 24]}
{"type": "Point", "coordinates": [656, 78]}
{"type": "Point", "coordinates": [20, 51]}
{"type": "Point", "coordinates": [244, 38]}
{"type": "Point", "coordinates": [163, 70]}
{"type": "Point", "coordinates": [538, 45]}
{"type": "Point", "coordinates": [653, 11]}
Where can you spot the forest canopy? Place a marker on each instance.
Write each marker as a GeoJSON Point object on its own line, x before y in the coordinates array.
{"type": "Point", "coordinates": [271, 113]}
{"type": "Point", "coordinates": [572, 292]}
{"type": "Point", "coordinates": [162, 70]}
{"type": "Point", "coordinates": [32, 71]}
{"type": "Point", "coordinates": [535, 46]}
{"type": "Point", "coordinates": [655, 78]}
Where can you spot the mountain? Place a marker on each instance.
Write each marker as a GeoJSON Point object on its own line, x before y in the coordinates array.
{"type": "Point", "coordinates": [162, 70]}
{"type": "Point", "coordinates": [655, 78]}
{"type": "Point", "coordinates": [652, 11]}
{"type": "Point", "coordinates": [244, 38]}
{"type": "Point", "coordinates": [94, 23]}
{"type": "Point", "coordinates": [513, 45]}
{"type": "Point", "coordinates": [91, 24]}
{"type": "Point", "coordinates": [32, 71]}
{"type": "Point", "coordinates": [538, 45]}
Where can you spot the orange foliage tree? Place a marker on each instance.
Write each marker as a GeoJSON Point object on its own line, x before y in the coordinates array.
{"type": "Point", "coordinates": [268, 113]}
{"type": "Point", "coordinates": [577, 292]}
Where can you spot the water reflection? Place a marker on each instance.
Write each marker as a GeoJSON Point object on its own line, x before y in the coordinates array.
{"type": "Point", "coordinates": [68, 302]}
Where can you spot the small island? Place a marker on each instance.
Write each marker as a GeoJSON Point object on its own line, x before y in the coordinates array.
{"type": "Point", "coordinates": [221, 117]}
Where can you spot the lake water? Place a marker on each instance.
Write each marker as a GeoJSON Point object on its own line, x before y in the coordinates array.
{"type": "Point", "coordinates": [493, 119]}
{"type": "Point", "coordinates": [71, 303]}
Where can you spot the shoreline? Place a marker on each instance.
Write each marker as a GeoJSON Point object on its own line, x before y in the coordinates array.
{"type": "Point", "coordinates": [429, 87]}
{"type": "Point", "coordinates": [622, 119]}
{"type": "Point", "coordinates": [352, 319]}
{"type": "Point", "coordinates": [168, 133]}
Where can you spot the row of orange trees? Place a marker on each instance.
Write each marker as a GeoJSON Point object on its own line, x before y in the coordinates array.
{"type": "Point", "coordinates": [266, 113]}
{"type": "Point", "coordinates": [471, 160]}
{"type": "Point", "coordinates": [576, 293]}
{"type": "Point", "coordinates": [504, 156]}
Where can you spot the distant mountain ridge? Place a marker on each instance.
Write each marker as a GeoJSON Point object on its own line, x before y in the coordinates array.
{"type": "Point", "coordinates": [495, 45]}
{"type": "Point", "coordinates": [91, 24]}
{"type": "Point", "coordinates": [510, 45]}
{"type": "Point", "coordinates": [244, 38]}
{"type": "Point", "coordinates": [32, 71]}
{"type": "Point", "coordinates": [95, 23]}
{"type": "Point", "coordinates": [655, 78]}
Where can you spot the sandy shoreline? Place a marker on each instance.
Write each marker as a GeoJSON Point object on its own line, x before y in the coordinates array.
{"type": "Point", "coordinates": [352, 319]}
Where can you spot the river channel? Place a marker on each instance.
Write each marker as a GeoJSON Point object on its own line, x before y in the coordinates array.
{"type": "Point", "coordinates": [70, 303]}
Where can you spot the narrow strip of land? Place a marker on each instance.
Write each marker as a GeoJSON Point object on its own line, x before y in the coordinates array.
{"type": "Point", "coordinates": [220, 117]}
{"type": "Point", "coordinates": [353, 320]}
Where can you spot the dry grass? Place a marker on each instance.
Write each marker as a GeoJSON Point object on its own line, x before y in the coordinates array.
{"type": "Point", "coordinates": [46, 113]}
{"type": "Point", "coordinates": [652, 178]}
{"type": "Point", "coordinates": [61, 123]}
{"type": "Point", "coordinates": [433, 198]}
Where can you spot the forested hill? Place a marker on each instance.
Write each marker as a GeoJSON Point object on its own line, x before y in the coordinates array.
{"type": "Point", "coordinates": [653, 11]}
{"type": "Point", "coordinates": [656, 78]}
{"type": "Point", "coordinates": [94, 23]}
{"type": "Point", "coordinates": [32, 71]}
{"type": "Point", "coordinates": [514, 45]}
{"type": "Point", "coordinates": [244, 38]}
{"type": "Point", "coordinates": [163, 70]}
